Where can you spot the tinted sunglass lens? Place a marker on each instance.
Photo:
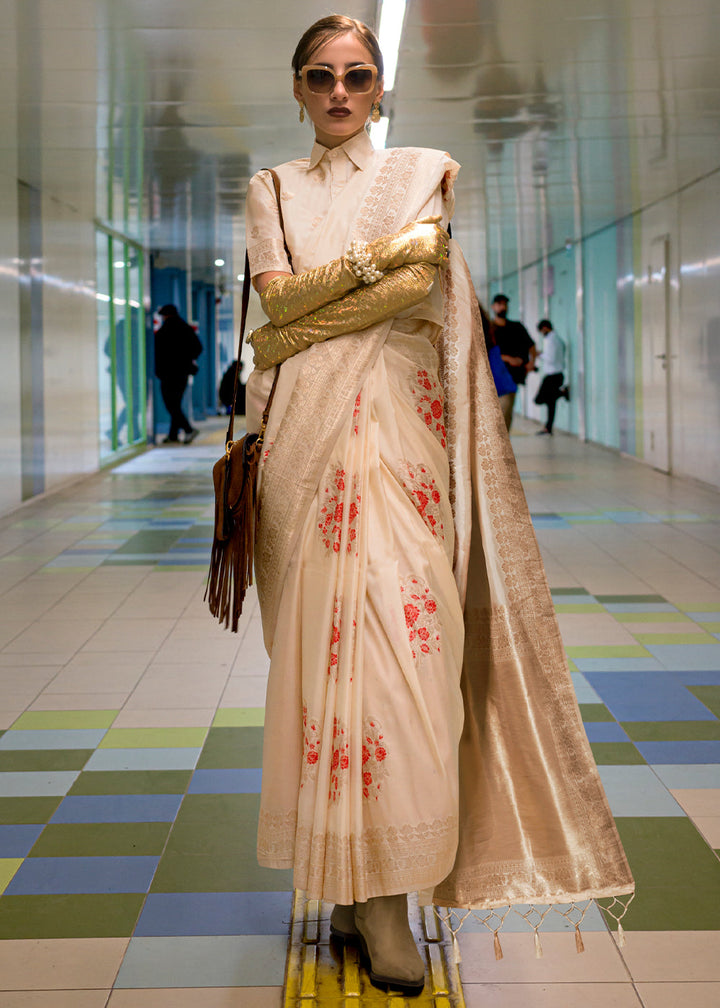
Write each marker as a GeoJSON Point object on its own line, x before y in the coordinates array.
{"type": "Point", "coordinates": [359, 80]}
{"type": "Point", "coordinates": [320, 81]}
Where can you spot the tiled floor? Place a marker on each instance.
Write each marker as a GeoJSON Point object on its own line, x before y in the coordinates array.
{"type": "Point", "coordinates": [131, 731]}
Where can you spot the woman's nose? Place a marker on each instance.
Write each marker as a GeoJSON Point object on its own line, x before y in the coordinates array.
{"type": "Point", "coordinates": [339, 91]}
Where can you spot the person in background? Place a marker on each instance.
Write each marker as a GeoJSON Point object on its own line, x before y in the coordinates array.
{"type": "Point", "coordinates": [516, 346]}
{"type": "Point", "coordinates": [552, 360]}
{"type": "Point", "coordinates": [506, 387]}
{"type": "Point", "coordinates": [176, 349]}
{"type": "Point", "coordinates": [227, 389]}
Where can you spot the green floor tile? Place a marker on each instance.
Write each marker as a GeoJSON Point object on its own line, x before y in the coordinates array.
{"type": "Point", "coordinates": [677, 876]}
{"type": "Point", "coordinates": [95, 915]}
{"type": "Point", "coordinates": [608, 651]}
{"type": "Point", "coordinates": [33, 720]}
{"type": "Point", "coordinates": [709, 695]}
{"type": "Point", "coordinates": [631, 599]}
{"type": "Point", "coordinates": [16, 811]}
{"type": "Point", "coordinates": [8, 867]}
{"type": "Point", "coordinates": [569, 591]}
{"type": "Point", "coordinates": [217, 873]}
{"type": "Point", "coordinates": [239, 717]}
{"type": "Point", "coordinates": [672, 731]}
{"type": "Point", "coordinates": [151, 541]}
{"type": "Point", "coordinates": [208, 824]}
{"type": "Point", "coordinates": [153, 738]}
{"type": "Point", "coordinates": [579, 607]}
{"type": "Point", "coordinates": [230, 748]}
{"type": "Point", "coordinates": [711, 628]}
{"type": "Point", "coordinates": [101, 839]}
{"type": "Point", "coordinates": [615, 753]}
{"type": "Point", "coordinates": [111, 782]}
{"type": "Point", "coordinates": [660, 638]}
{"type": "Point", "coordinates": [16, 760]}
{"type": "Point", "coordinates": [595, 712]}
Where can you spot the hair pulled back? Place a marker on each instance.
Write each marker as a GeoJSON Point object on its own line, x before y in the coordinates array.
{"type": "Point", "coordinates": [329, 28]}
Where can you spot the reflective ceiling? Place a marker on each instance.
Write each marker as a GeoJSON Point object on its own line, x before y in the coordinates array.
{"type": "Point", "coordinates": [564, 115]}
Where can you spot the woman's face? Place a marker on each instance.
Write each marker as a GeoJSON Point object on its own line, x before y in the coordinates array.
{"type": "Point", "coordinates": [339, 114]}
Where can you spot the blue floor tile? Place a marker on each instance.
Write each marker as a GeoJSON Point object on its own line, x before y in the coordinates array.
{"type": "Point", "coordinates": [705, 617]}
{"type": "Point", "coordinates": [36, 783]}
{"type": "Point", "coordinates": [57, 875]}
{"type": "Point", "coordinates": [700, 678]}
{"type": "Point", "coordinates": [648, 696]}
{"type": "Point", "coordinates": [52, 738]}
{"type": "Point", "coordinates": [605, 731]}
{"type": "Point", "coordinates": [225, 782]}
{"type": "Point", "coordinates": [218, 961]}
{"type": "Point", "coordinates": [584, 693]}
{"type": "Point", "coordinates": [574, 600]}
{"type": "Point", "coordinates": [680, 752]}
{"type": "Point", "coordinates": [636, 791]}
{"type": "Point", "coordinates": [144, 759]}
{"type": "Point", "coordinates": [257, 913]}
{"type": "Point", "coordinates": [117, 808]}
{"type": "Point", "coordinates": [17, 841]}
{"type": "Point", "coordinates": [692, 657]}
{"type": "Point", "coordinates": [640, 607]}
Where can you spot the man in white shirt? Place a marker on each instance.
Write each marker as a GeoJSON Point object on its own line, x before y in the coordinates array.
{"type": "Point", "coordinates": [552, 359]}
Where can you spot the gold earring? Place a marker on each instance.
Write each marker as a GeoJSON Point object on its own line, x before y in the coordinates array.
{"type": "Point", "coordinates": [302, 112]}
{"type": "Point", "coordinates": [375, 114]}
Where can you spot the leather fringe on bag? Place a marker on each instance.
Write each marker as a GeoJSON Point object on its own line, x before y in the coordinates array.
{"type": "Point", "coordinates": [235, 483]}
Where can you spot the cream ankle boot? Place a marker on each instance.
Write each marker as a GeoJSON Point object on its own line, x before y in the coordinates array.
{"type": "Point", "coordinates": [388, 943]}
{"type": "Point", "coordinates": [342, 923]}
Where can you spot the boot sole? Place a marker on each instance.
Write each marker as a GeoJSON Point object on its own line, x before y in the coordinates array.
{"type": "Point", "coordinates": [388, 983]}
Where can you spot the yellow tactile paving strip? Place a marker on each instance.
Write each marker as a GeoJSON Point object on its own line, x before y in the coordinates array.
{"type": "Point", "coordinates": [320, 973]}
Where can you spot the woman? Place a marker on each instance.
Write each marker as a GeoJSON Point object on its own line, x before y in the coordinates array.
{"type": "Point", "coordinates": [369, 490]}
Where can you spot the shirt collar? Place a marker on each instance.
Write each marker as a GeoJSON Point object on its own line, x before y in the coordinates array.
{"type": "Point", "coordinates": [359, 150]}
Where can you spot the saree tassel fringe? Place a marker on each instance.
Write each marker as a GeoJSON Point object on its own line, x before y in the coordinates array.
{"type": "Point", "coordinates": [497, 946]}
{"type": "Point", "coordinates": [579, 944]}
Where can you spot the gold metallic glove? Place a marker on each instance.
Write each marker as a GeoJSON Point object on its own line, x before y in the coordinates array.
{"type": "Point", "coordinates": [422, 240]}
{"type": "Point", "coordinates": [288, 298]}
{"type": "Point", "coordinates": [400, 289]}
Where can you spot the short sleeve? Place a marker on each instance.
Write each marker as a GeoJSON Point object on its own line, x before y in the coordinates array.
{"type": "Point", "coordinates": [263, 233]}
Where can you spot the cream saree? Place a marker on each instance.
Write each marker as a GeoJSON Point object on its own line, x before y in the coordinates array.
{"type": "Point", "coordinates": [402, 592]}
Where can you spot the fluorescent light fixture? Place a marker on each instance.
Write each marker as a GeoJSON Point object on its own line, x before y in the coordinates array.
{"type": "Point", "coordinates": [392, 16]}
{"type": "Point", "coordinates": [378, 133]}
{"type": "Point", "coordinates": [241, 277]}
{"type": "Point", "coordinates": [219, 262]}
{"type": "Point", "coordinates": [119, 263]}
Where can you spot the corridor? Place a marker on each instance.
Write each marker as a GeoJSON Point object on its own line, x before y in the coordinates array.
{"type": "Point", "coordinates": [132, 734]}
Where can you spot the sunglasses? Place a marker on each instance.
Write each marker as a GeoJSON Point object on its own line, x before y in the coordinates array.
{"type": "Point", "coordinates": [356, 80]}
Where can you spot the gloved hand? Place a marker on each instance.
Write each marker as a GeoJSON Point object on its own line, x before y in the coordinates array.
{"type": "Point", "coordinates": [422, 240]}
{"type": "Point", "coordinates": [399, 289]}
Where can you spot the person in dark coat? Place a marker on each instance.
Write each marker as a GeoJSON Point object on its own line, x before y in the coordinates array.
{"type": "Point", "coordinates": [176, 349]}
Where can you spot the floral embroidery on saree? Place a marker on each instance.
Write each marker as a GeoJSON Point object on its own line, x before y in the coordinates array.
{"type": "Point", "coordinates": [420, 486]}
{"type": "Point", "coordinates": [311, 745]}
{"type": "Point", "coordinates": [421, 618]}
{"type": "Point", "coordinates": [374, 755]}
{"type": "Point", "coordinates": [340, 760]}
{"type": "Point", "coordinates": [336, 525]}
{"type": "Point", "coordinates": [428, 399]}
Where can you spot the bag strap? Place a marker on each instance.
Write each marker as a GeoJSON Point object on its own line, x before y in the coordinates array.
{"type": "Point", "coordinates": [243, 320]}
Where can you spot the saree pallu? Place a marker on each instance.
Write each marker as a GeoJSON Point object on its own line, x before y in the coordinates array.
{"type": "Point", "coordinates": [360, 780]}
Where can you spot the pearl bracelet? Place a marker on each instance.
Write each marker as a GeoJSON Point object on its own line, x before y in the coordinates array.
{"type": "Point", "coordinates": [361, 264]}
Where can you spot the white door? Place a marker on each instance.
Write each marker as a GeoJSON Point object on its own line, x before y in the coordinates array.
{"type": "Point", "coordinates": [656, 356]}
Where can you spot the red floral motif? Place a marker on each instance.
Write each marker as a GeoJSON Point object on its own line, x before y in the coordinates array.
{"type": "Point", "coordinates": [374, 755]}
{"type": "Point", "coordinates": [267, 450]}
{"type": "Point", "coordinates": [332, 512]}
{"type": "Point", "coordinates": [335, 639]}
{"type": "Point", "coordinates": [428, 398]}
{"type": "Point", "coordinates": [421, 619]}
{"type": "Point", "coordinates": [421, 488]}
{"type": "Point", "coordinates": [340, 761]}
{"type": "Point", "coordinates": [356, 413]}
{"type": "Point", "coordinates": [311, 745]}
